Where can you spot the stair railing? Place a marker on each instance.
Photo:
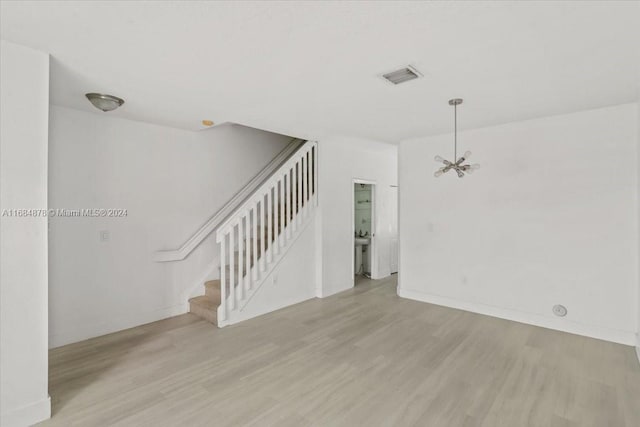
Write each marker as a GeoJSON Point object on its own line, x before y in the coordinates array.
{"type": "Point", "coordinates": [261, 228]}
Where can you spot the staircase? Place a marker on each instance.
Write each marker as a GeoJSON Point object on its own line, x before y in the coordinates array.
{"type": "Point", "coordinates": [258, 234]}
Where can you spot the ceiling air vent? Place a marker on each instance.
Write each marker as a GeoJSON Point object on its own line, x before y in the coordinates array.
{"type": "Point", "coordinates": [402, 75]}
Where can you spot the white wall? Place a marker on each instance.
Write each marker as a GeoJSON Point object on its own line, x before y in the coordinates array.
{"type": "Point", "coordinates": [170, 181]}
{"type": "Point", "coordinates": [551, 218]}
{"type": "Point", "coordinates": [341, 160]}
{"type": "Point", "coordinates": [24, 105]}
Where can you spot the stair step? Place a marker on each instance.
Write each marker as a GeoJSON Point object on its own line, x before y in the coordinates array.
{"type": "Point", "coordinates": [204, 307]}
{"type": "Point", "coordinates": [212, 290]}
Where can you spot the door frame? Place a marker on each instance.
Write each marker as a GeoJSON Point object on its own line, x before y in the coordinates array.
{"type": "Point", "coordinates": [373, 245]}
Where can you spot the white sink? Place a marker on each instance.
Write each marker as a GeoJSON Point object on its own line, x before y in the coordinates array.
{"type": "Point", "coordinates": [362, 241]}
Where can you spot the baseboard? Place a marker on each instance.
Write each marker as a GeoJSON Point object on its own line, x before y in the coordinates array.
{"type": "Point", "coordinates": [93, 330]}
{"type": "Point", "coordinates": [27, 415]}
{"type": "Point", "coordinates": [638, 346]}
{"type": "Point", "coordinates": [564, 325]}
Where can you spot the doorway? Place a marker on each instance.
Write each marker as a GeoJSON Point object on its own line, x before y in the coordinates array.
{"type": "Point", "coordinates": [363, 231]}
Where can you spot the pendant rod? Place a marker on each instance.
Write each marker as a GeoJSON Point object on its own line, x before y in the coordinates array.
{"type": "Point", "coordinates": [455, 133]}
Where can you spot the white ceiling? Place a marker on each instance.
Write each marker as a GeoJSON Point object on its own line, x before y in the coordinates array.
{"type": "Point", "coordinates": [311, 69]}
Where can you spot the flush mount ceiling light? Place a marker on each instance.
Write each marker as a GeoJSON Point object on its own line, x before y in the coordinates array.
{"type": "Point", "coordinates": [104, 102]}
{"type": "Point", "coordinates": [456, 165]}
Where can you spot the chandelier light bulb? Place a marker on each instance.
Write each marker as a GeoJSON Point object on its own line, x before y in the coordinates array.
{"type": "Point", "coordinates": [475, 166]}
{"type": "Point", "coordinates": [438, 159]}
{"type": "Point", "coordinates": [467, 154]}
{"type": "Point", "coordinates": [438, 173]}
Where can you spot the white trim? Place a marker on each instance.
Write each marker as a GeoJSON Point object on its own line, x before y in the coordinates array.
{"type": "Point", "coordinates": [230, 207]}
{"type": "Point", "coordinates": [86, 331]}
{"type": "Point", "coordinates": [599, 332]}
{"type": "Point", "coordinates": [27, 415]}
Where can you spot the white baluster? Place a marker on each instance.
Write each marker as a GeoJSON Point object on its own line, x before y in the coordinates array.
{"type": "Point", "coordinates": [309, 179]}
{"type": "Point", "coordinates": [281, 201]}
{"type": "Point", "coordinates": [303, 184]}
{"type": "Point", "coordinates": [262, 231]}
{"type": "Point", "coordinates": [255, 242]}
{"type": "Point", "coordinates": [240, 258]}
{"type": "Point", "coordinates": [293, 192]}
{"type": "Point", "coordinates": [299, 187]}
{"type": "Point", "coordinates": [269, 226]}
{"type": "Point", "coordinates": [223, 278]}
{"type": "Point", "coordinates": [247, 257]}
{"type": "Point", "coordinates": [232, 270]}
{"type": "Point", "coordinates": [287, 203]}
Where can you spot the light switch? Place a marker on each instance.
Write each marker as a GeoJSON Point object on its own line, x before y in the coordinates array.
{"type": "Point", "coordinates": [105, 235]}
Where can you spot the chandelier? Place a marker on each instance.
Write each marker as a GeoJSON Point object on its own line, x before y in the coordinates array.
{"type": "Point", "coordinates": [456, 165]}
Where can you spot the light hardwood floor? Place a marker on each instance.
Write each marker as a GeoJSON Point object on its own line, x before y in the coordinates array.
{"type": "Point", "coordinates": [362, 357]}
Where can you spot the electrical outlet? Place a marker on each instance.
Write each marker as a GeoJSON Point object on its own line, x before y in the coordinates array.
{"type": "Point", "coordinates": [105, 236]}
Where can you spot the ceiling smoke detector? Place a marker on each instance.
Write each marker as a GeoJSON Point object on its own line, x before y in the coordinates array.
{"type": "Point", "coordinates": [104, 102]}
{"type": "Point", "coordinates": [402, 75]}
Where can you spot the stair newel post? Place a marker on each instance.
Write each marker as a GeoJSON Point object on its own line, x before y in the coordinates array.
{"type": "Point", "coordinates": [254, 208]}
{"type": "Point", "coordinates": [315, 174]}
{"type": "Point", "coordinates": [223, 278]}
{"type": "Point", "coordinates": [269, 226]}
{"type": "Point", "coordinates": [241, 242]}
{"type": "Point", "coordinates": [232, 269]}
